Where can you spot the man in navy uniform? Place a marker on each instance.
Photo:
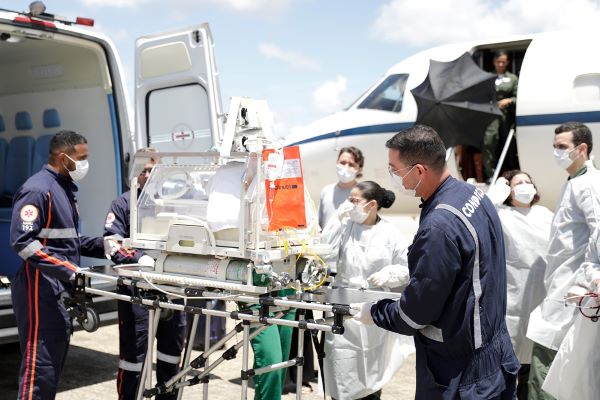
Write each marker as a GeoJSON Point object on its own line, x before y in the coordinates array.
{"type": "Point", "coordinates": [455, 302]}
{"type": "Point", "coordinates": [133, 318]}
{"type": "Point", "coordinates": [44, 232]}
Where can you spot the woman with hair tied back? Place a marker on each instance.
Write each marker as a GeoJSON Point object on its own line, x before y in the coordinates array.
{"type": "Point", "coordinates": [370, 254]}
{"type": "Point", "coordinates": [526, 228]}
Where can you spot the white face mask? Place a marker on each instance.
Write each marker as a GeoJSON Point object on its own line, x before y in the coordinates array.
{"type": "Point", "coordinates": [524, 193]}
{"type": "Point", "coordinates": [398, 182]}
{"type": "Point", "coordinates": [358, 214]}
{"type": "Point", "coordinates": [345, 174]}
{"type": "Point", "coordinates": [561, 156]}
{"type": "Point", "coordinates": [81, 169]}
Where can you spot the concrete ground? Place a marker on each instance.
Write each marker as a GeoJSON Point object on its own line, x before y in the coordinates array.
{"type": "Point", "coordinates": [90, 372]}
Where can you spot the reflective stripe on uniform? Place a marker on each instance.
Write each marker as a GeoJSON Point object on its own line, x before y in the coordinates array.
{"type": "Point", "coordinates": [167, 358]}
{"type": "Point", "coordinates": [58, 233]}
{"type": "Point", "coordinates": [476, 280]}
{"type": "Point", "coordinates": [433, 333]}
{"type": "Point", "coordinates": [30, 249]}
{"type": "Point", "coordinates": [407, 319]}
{"type": "Point", "coordinates": [129, 366]}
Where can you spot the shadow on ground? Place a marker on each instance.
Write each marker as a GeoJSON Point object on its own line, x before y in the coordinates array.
{"type": "Point", "coordinates": [83, 367]}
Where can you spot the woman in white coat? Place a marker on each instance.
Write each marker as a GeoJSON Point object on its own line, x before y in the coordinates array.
{"type": "Point", "coordinates": [370, 254]}
{"type": "Point", "coordinates": [526, 228]}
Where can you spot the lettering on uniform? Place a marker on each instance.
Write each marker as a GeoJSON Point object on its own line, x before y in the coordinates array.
{"type": "Point", "coordinates": [474, 201]}
{"type": "Point", "coordinates": [28, 214]}
{"type": "Point", "coordinates": [110, 218]}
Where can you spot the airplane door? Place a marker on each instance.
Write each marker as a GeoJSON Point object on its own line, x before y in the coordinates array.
{"type": "Point", "coordinates": [559, 82]}
{"type": "Point", "coordinates": [177, 98]}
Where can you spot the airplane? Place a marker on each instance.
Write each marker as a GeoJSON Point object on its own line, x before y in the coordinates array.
{"type": "Point", "coordinates": [559, 81]}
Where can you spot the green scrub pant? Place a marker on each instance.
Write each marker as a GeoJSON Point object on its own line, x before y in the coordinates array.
{"type": "Point", "coordinates": [490, 147]}
{"type": "Point", "coordinates": [271, 346]}
{"type": "Point", "coordinates": [541, 360]}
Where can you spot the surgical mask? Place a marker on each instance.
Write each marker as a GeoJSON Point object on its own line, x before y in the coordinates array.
{"type": "Point", "coordinates": [358, 214]}
{"type": "Point", "coordinates": [345, 174]}
{"type": "Point", "coordinates": [524, 193]}
{"type": "Point", "coordinates": [81, 169]}
{"type": "Point", "coordinates": [561, 156]}
{"type": "Point", "coordinates": [398, 182]}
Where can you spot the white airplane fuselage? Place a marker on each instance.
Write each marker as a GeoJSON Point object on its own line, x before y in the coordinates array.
{"type": "Point", "coordinates": [559, 81]}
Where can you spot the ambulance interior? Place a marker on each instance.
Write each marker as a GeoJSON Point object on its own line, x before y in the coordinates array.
{"type": "Point", "coordinates": [48, 83]}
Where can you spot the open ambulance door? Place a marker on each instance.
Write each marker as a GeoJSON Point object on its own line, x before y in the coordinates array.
{"type": "Point", "coordinates": [177, 98]}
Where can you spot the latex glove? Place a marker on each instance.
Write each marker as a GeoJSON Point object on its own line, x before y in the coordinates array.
{"type": "Point", "coordinates": [111, 246]}
{"type": "Point", "coordinates": [499, 191]}
{"type": "Point", "coordinates": [575, 293]}
{"type": "Point", "coordinates": [390, 276]}
{"type": "Point", "coordinates": [146, 261]}
{"type": "Point", "coordinates": [344, 209]}
{"type": "Point", "coordinates": [364, 313]}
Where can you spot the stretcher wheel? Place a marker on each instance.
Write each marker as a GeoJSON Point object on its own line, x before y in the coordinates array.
{"type": "Point", "coordinates": [91, 321]}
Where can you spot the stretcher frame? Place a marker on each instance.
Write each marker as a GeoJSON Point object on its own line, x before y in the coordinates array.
{"type": "Point", "coordinates": [197, 371]}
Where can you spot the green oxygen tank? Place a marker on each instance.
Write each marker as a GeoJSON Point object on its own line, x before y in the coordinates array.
{"type": "Point", "coordinates": [237, 270]}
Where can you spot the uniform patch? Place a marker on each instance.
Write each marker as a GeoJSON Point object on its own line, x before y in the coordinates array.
{"type": "Point", "coordinates": [29, 213]}
{"type": "Point", "coordinates": [110, 218]}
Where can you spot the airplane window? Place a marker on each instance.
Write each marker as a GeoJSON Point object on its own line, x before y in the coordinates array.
{"type": "Point", "coordinates": [388, 95]}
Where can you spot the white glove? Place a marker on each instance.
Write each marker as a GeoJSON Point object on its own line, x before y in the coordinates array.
{"type": "Point", "coordinates": [499, 191]}
{"type": "Point", "coordinates": [390, 276]}
{"type": "Point", "coordinates": [146, 261]}
{"type": "Point", "coordinates": [111, 245]}
{"type": "Point", "coordinates": [364, 313]}
{"type": "Point", "coordinates": [344, 210]}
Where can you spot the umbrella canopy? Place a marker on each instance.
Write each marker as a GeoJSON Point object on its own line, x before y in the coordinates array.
{"type": "Point", "coordinates": [458, 100]}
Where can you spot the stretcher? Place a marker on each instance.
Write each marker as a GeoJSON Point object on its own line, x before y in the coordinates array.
{"type": "Point", "coordinates": [157, 292]}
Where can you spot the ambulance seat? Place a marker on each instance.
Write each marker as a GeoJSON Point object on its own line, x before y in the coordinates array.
{"type": "Point", "coordinates": [3, 149]}
{"type": "Point", "coordinates": [2, 126]}
{"type": "Point", "coordinates": [42, 144]}
{"type": "Point", "coordinates": [18, 162]}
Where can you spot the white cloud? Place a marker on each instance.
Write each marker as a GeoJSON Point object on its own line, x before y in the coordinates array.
{"type": "Point", "coordinates": [295, 60]}
{"type": "Point", "coordinates": [113, 3]}
{"type": "Point", "coordinates": [330, 96]}
{"type": "Point", "coordinates": [253, 5]}
{"type": "Point", "coordinates": [265, 8]}
{"type": "Point", "coordinates": [420, 23]}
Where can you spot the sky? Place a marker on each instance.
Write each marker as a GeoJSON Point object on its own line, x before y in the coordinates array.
{"type": "Point", "coordinates": [311, 58]}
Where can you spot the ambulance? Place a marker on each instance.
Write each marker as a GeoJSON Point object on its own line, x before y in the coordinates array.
{"type": "Point", "coordinates": [58, 74]}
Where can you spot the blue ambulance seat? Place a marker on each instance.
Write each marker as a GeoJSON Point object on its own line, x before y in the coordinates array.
{"type": "Point", "coordinates": [3, 149]}
{"type": "Point", "coordinates": [41, 152]}
{"type": "Point", "coordinates": [42, 144]}
{"type": "Point", "coordinates": [23, 121]}
{"type": "Point", "coordinates": [19, 158]}
{"type": "Point", "coordinates": [51, 118]}
{"type": "Point", "coordinates": [2, 126]}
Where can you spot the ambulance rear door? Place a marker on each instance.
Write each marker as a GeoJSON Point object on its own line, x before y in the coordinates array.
{"type": "Point", "coordinates": [177, 98]}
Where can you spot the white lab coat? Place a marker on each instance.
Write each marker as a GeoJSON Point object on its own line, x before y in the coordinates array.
{"type": "Point", "coordinates": [526, 235]}
{"type": "Point", "coordinates": [576, 218]}
{"type": "Point", "coordinates": [365, 357]}
{"type": "Point", "coordinates": [574, 373]}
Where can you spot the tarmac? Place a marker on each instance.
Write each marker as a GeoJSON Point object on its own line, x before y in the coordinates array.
{"type": "Point", "coordinates": [91, 368]}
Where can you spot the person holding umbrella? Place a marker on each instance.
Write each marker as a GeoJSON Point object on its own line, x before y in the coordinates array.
{"type": "Point", "coordinates": [455, 302]}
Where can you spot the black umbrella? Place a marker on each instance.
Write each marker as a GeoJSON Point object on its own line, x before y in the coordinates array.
{"type": "Point", "coordinates": [458, 100]}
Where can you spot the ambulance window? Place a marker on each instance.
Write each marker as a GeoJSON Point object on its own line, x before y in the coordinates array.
{"type": "Point", "coordinates": [179, 118]}
{"type": "Point", "coordinates": [388, 95]}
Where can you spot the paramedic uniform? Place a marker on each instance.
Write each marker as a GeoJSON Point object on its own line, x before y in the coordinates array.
{"type": "Point", "coordinates": [133, 320]}
{"type": "Point", "coordinates": [45, 233]}
{"type": "Point", "coordinates": [455, 302]}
